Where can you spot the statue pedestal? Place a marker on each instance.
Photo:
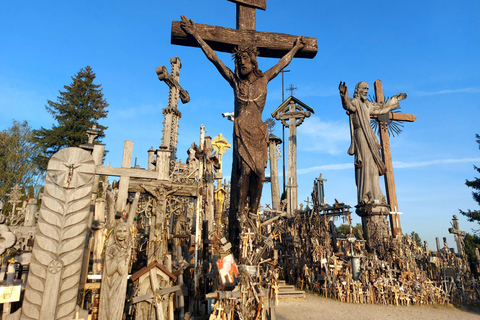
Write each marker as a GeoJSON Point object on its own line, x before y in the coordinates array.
{"type": "Point", "coordinates": [374, 222]}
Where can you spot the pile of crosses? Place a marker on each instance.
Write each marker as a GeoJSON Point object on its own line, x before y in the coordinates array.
{"type": "Point", "coordinates": [161, 252]}
{"type": "Point", "coordinates": [151, 245]}
{"type": "Point", "coordinates": [394, 271]}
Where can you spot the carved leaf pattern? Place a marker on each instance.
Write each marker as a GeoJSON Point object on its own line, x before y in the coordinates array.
{"type": "Point", "coordinates": [61, 232]}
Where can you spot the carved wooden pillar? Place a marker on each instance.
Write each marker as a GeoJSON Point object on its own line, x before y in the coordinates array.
{"type": "Point", "coordinates": [54, 275]}
{"type": "Point", "coordinates": [292, 112]}
{"type": "Point", "coordinates": [273, 152]}
{"type": "Point", "coordinates": [163, 163]}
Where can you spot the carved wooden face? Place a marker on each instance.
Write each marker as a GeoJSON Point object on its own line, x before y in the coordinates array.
{"type": "Point", "coordinates": [122, 233]}
{"type": "Point", "coordinates": [245, 64]}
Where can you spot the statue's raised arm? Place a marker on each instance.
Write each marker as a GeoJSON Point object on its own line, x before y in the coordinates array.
{"type": "Point", "coordinates": [343, 90]}
{"type": "Point", "coordinates": [189, 27]}
{"type": "Point", "coordinates": [286, 59]}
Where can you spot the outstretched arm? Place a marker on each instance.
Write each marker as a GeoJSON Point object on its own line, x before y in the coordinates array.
{"type": "Point", "coordinates": [189, 27]}
{"type": "Point", "coordinates": [286, 59]}
{"type": "Point", "coordinates": [389, 105]}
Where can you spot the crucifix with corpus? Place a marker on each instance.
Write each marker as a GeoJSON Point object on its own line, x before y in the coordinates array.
{"type": "Point", "coordinates": [384, 120]}
{"type": "Point", "coordinates": [250, 135]}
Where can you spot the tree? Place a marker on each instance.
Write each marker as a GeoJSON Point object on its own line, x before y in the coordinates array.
{"type": "Point", "coordinates": [416, 238]}
{"type": "Point", "coordinates": [356, 230]}
{"type": "Point", "coordinates": [77, 109]}
{"type": "Point", "coordinates": [474, 215]}
{"type": "Point", "coordinates": [17, 150]}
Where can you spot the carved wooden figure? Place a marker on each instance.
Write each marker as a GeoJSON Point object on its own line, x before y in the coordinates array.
{"type": "Point", "coordinates": [116, 267]}
{"type": "Point", "coordinates": [250, 138]}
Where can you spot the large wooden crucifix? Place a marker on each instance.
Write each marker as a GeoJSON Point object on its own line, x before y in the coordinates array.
{"type": "Point", "coordinates": [269, 44]}
{"type": "Point", "coordinates": [387, 157]}
{"type": "Point", "coordinates": [249, 84]}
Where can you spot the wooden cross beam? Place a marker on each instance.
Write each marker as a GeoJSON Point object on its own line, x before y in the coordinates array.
{"type": "Point", "coordinates": [387, 159]}
{"type": "Point", "coordinates": [269, 44]}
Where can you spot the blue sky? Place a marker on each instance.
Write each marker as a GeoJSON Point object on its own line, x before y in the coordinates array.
{"type": "Point", "coordinates": [428, 49]}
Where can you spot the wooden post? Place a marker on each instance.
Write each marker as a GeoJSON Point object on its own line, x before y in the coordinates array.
{"type": "Point", "coordinates": [98, 235]}
{"type": "Point", "coordinates": [387, 159]}
{"type": "Point", "coordinates": [163, 163]}
{"type": "Point", "coordinates": [124, 180]}
{"type": "Point", "coordinates": [198, 215]}
{"type": "Point", "coordinates": [292, 112]}
{"type": "Point", "coordinates": [273, 144]}
{"type": "Point", "coordinates": [209, 184]}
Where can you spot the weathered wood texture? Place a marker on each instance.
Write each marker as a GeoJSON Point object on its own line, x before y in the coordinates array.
{"type": "Point", "coordinates": [269, 44]}
{"type": "Point", "coordinates": [116, 266]}
{"type": "Point", "coordinates": [259, 4]}
{"type": "Point", "coordinates": [272, 149]}
{"type": "Point", "coordinates": [54, 275]}
{"type": "Point", "coordinates": [387, 159]}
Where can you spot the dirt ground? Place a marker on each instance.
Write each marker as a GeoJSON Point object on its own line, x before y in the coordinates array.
{"type": "Point", "coordinates": [315, 307]}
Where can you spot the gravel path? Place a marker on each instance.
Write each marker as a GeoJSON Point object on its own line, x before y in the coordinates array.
{"type": "Point", "coordinates": [315, 307]}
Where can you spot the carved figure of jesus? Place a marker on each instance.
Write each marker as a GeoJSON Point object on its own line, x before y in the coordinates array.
{"type": "Point", "coordinates": [250, 133]}
{"type": "Point", "coordinates": [364, 146]}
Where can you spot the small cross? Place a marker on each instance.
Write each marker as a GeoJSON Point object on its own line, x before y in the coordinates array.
{"type": "Point", "coordinates": [308, 202]}
{"type": "Point", "coordinates": [291, 88]}
{"type": "Point", "coordinates": [92, 134]}
{"type": "Point", "coordinates": [320, 178]}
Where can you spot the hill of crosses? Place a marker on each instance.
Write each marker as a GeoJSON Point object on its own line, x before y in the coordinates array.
{"type": "Point", "coordinates": [174, 240]}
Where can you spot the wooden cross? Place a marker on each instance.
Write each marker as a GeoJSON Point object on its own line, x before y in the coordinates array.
{"type": "Point", "coordinates": [458, 235]}
{"type": "Point", "coordinates": [171, 113]}
{"type": "Point", "coordinates": [321, 189]}
{"type": "Point", "coordinates": [387, 159]}
{"type": "Point", "coordinates": [407, 275]}
{"type": "Point", "coordinates": [308, 202]}
{"type": "Point", "coordinates": [273, 45]}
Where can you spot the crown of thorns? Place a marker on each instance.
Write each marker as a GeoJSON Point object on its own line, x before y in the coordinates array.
{"type": "Point", "coordinates": [242, 48]}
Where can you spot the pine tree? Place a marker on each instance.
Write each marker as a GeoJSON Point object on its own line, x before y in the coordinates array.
{"type": "Point", "coordinates": [76, 110]}
{"type": "Point", "coordinates": [474, 215]}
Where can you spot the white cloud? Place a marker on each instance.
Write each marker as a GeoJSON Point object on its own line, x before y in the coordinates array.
{"type": "Point", "coordinates": [396, 164]}
{"type": "Point", "coordinates": [331, 137]}
{"type": "Point", "coordinates": [399, 164]}
{"type": "Point", "coordinates": [135, 112]}
{"type": "Point", "coordinates": [432, 93]}
{"type": "Point", "coordinates": [340, 166]}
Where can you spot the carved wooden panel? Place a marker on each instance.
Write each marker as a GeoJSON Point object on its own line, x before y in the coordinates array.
{"type": "Point", "coordinates": [54, 275]}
